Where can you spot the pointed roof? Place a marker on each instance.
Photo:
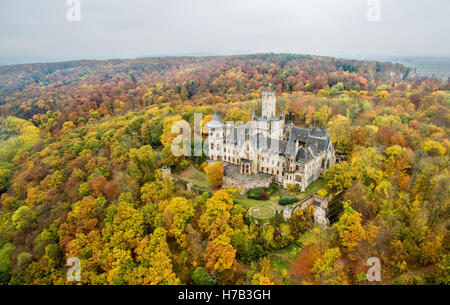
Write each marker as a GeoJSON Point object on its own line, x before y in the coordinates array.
{"type": "Point", "coordinates": [216, 121]}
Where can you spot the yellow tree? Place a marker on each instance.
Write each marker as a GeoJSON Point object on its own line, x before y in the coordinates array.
{"type": "Point", "coordinates": [155, 191]}
{"type": "Point", "coordinates": [214, 173]}
{"type": "Point", "coordinates": [340, 175]}
{"type": "Point", "coordinates": [263, 277]}
{"type": "Point", "coordinates": [321, 116]}
{"type": "Point", "coordinates": [220, 254]}
{"type": "Point", "coordinates": [153, 255]}
{"type": "Point", "coordinates": [167, 138]}
{"type": "Point", "coordinates": [349, 227]}
{"type": "Point", "coordinates": [176, 214]}
{"type": "Point", "coordinates": [327, 270]}
{"type": "Point", "coordinates": [366, 163]}
{"type": "Point", "coordinates": [340, 133]}
{"type": "Point", "coordinates": [214, 221]}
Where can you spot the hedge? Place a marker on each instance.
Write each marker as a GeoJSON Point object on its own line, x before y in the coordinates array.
{"type": "Point", "coordinates": [287, 200]}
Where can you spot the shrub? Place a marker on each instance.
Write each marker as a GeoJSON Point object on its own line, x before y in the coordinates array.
{"type": "Point", "coordinates": [293, 188]}
{"type": "Point", "coordinates": [274, 188]}
{"type": "Point", "coordinates": [287, 200]}
{"type": "Point", "coordinates": [322, 192]}
{"type": "Point", "coordinates": [257, 194]}
{"type": "Point", "coordinates": [263, 195]}
{"type": "Point", "coordinates": [183, 164]}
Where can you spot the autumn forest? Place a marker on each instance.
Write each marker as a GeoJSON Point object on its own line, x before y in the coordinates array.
{"type": "Point", "coordinates": [83, 145]}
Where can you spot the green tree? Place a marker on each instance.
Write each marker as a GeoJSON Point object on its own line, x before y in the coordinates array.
{"type": "Point", "coordinates": [201, 277]}
{"type": "Point", "coordinates": [24, 218]}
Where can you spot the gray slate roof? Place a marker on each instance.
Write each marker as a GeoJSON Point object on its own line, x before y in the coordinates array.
{"type": "Point", "coordinates": [216, 121]}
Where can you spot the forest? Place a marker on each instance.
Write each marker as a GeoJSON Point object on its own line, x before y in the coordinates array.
{"type": "Point", "coordinates": [82, 145]}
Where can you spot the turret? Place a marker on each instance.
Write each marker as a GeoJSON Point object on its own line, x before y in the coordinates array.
{"type": "Point", "coordinates": [216, 134]}
{"type": "Point", "coordinates": [268, 105]}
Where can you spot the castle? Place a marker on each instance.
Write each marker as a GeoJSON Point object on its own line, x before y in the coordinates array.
{"type": "Point", "coordinates": [266, 145]}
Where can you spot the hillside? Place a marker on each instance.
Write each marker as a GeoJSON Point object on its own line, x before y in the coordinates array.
{"type": "Point", "coordinates": [82, 144]}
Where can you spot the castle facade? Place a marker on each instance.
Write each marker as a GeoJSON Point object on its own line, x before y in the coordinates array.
{"type": "Point", "coordinates": [267, 145]}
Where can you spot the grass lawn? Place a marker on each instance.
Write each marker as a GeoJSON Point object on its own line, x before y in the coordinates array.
{"type": "Point", "coordinates": [196, 177]}
{"type": "Point", "coordinates": [248, 203]}
{"type": "Point", "coordinates": [262, 212]}
{"type": "Point", "coordinates": [312, 188]}
{"type": "Point", "coordinates": [316, 185]}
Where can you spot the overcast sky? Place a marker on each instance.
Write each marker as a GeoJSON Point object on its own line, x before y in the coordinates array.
{"type": "Point", "coordinates": [38, 30]}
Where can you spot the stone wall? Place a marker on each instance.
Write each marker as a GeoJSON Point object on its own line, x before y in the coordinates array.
{"type": "Point", "coordinates": [320, 210]}
{"type": "Point", "coordinates": [245, 186]}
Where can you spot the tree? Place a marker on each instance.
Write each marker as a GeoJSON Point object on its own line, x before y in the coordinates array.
{"type": "Point", "coordinates": [264, 276]}
{"type": "Point", "coordinates": [142, 163]}
{"type": "Point", "coordinates": [340, 133]}
{"type": "Point", "coordinates": [24, 218]}
{"type": "Point", "coordinates": [245, 244]}
{"type": "Point", "coordinates": [321, 116]}
{"type": "Point", "coordinates": [340, 175]}
{"type": "Point", "coordinates": [434, 148]}
{"type": "Point", "coordinates": [23, 260]}
{"type": "Point", "coordinates": [158, 190]}
{"type": "Point", "coordinates": [214, 173]}
{"type": "Point", "coordinates": [5, 262]}
{"type": "Point", "coordinates": [220, 254]}
{"type": "Point", "coordinates": [214, 220]}
{"type": "Point", "coordinates": [176, 214]}
{"type": "Point", "coordinates": [366, 164]}
{"type": "Point", "coordinates": [201, 277]}
{"type": "Point", "coordinates": [154, 258]}
{"type": "Point", "coordinates": [327, 270]}
{"type": "Point", "coordinates": [126, 227]}
{"type": "Point", "coordinates": [350, 229]}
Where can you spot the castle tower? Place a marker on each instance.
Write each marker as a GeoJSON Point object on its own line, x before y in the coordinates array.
{"type": "Point", "coordinates": [268, 105]}
{"type": "Point", "coordinates": [216, 135]}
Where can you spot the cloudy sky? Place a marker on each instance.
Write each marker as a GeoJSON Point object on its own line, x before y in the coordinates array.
{"type": "Point", "coordinates": [38, 30]}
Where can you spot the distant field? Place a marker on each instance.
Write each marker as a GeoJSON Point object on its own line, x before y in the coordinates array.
{"type": "Point", "coordinates": [428, 66]}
